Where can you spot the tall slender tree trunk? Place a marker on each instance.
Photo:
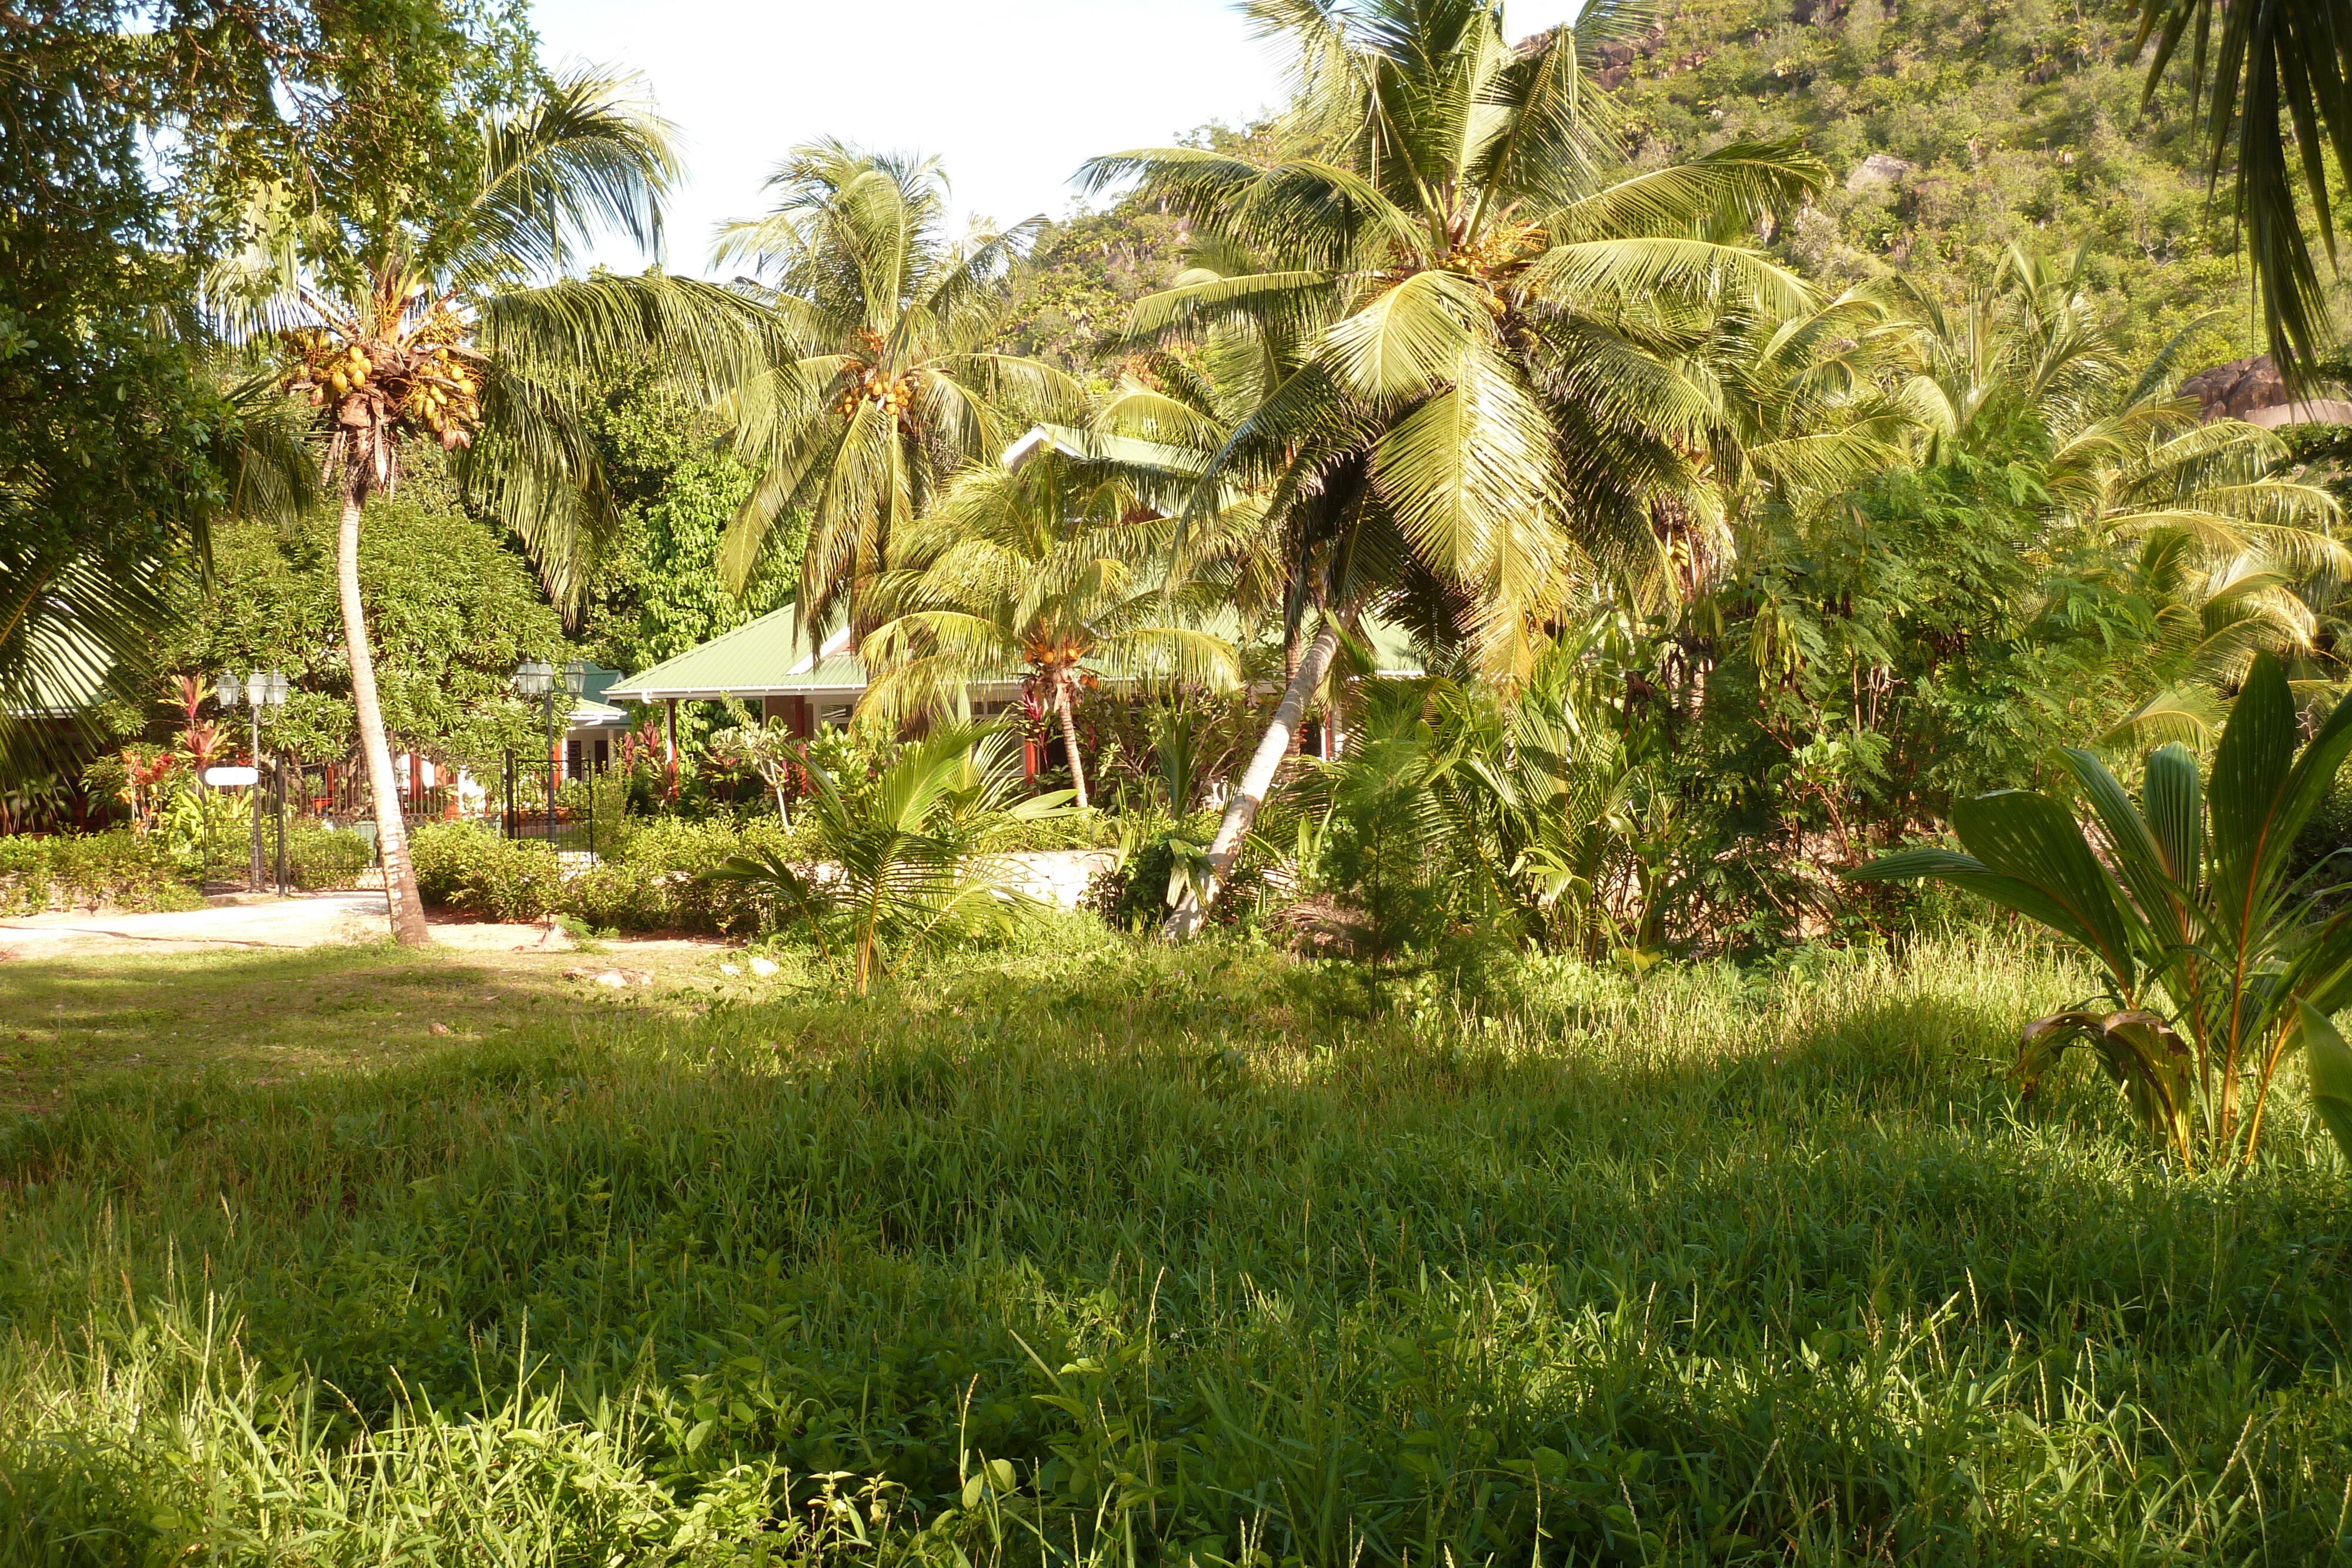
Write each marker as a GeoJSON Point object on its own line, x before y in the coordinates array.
{"type": "Point", "coordinates": [1257, 779]}
{"type": "Point", "coordinates": [1063, 681]}
{"type": "Point", "coordinates": [408, 911]}
{"type": "Point", "coordinates": [1294, 648]}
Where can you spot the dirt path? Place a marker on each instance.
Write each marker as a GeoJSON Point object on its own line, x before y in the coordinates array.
{"type": "Point", "coordinates": [304, 920]}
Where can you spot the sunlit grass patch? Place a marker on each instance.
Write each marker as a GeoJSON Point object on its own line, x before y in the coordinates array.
{"type": "Point", "coordinates": [1119, 1253]}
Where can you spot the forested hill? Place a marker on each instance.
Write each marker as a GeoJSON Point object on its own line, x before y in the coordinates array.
{"type": "Point", "coordinates": [1953, 128]}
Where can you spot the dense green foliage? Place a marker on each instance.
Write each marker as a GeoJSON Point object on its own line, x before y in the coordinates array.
{"type": "Point", "coordinates": [453, 608]}
{"type": "Point", "coordinates": [656, 592]}
{"type": "Point", "coordinates": [462, 866]}
{"type": "Point", "coordinates": [2206, 909]}
{"type": "Point", "coordinates": [655, 875]}
{"type": "Point", "coordinates": [2019, 123]}
{"type": "Point", "coordinates": [135, 140]}
{"type": "Point", "coordinates": [1157, 1256]}
{"type": "Point", "coordinates": [116, 870]}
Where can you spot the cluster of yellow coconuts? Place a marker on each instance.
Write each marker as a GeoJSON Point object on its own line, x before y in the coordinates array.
{"type": "Point", "coordinates": [429, 383]}
{"type": "Point", "coordinates": [893, 397]}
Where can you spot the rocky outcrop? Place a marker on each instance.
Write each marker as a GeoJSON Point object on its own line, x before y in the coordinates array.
{"type": "Point", "coordinates": [2252, 390]}
{"type": "Point", "coordinates": [1878, 169]}
{"type": "Point", "coordinates": [2237, 389]}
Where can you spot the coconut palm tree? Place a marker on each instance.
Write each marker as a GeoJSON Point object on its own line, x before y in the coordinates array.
{"type": "Point", "coordinates": [2270, 72]}
{"type": "Point", "coordinates": [883, 384]}
{"type": "Point", "coordinates": [898, 864]}
{"type": "Point", "coordinates": [457, 327]}
{"type": "Point", "coordinates": [2215, 530]}
{"type": "Point", "coordinates": [1472, 319]}
{"type": "Point", "coordinates": [1046, 572]}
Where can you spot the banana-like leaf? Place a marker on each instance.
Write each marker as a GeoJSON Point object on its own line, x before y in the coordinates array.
{"type": "Point", "coordinates": [1973, 875]}
{"type": "Point", "coordinates": [2163, 904]}
{"type": "Point", "coordinates": [2329, 1063]}
{"type": "Point", "coordinates": [2139, 1051]}
{"type": "Point", "coordinates": [2262, 792]}
{"type": "Point", "coordinates": [2035, 841]}
{"type": "Point", "coordinates": [2250, 774]}
{"type": "Point", "coordinates": [2172, 798]}
{"type": "Point", "coordinates": [1944, 865]}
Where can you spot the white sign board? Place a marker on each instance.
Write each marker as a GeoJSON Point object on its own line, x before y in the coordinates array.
{"type": "Point", "coordinates": [230, 778]}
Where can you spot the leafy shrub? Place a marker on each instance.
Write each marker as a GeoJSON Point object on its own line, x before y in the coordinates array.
{"type": "Point", "coordinates": [318, 858]}
{"type": "Point", "coordinates": [25, 880]}
{"type": "Point", "coordinates": [1133, 895]}
{"type": "Point", "coordinates": [599, 803]}
{"type": "Point", "coordinates": [461, 866]}
{"type": "Point", "coordinates": [114, 870]}
{"type": "Point", "coordinates": [204, 832]}
{"type": "Point", "coordinates": [894, 870]}
{"type": "Point", "coordinates": [623, 896]}
{"type": "Point", "coordinates": [667, 860]}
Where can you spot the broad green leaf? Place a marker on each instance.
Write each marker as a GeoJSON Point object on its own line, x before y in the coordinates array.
{"type": "Point", "coordinates": [2328, 1061]}
{"type": "Point", "coordinates": [2034, 840]}
{"type": "Point", "coordinates": [1904, 865]}
{"type": "Point", "coordinates": [2322, 972]}
{"type": "Point", "coordinates": [2251, 768]}
{"type": "Point", "coordinates": [2137, 853]}
{"type": "Point", "coordinates": [2173, 802]}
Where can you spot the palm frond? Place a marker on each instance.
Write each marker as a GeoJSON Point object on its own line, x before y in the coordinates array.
{"type": "Point", "coordinates": [589, 155]}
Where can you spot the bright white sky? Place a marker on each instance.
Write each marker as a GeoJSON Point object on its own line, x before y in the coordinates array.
{"type": "Point", "coordinates": [1014, 94]}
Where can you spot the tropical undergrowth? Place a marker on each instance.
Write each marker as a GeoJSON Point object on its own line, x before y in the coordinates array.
{"type": "Point", "coordinates": [1094, 1252]}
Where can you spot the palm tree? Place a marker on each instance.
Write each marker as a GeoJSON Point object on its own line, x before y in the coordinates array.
{"type": "Point", "coordinates": [1034, 571]}
{"type": "Point", "coordinates": [2276, 70]}
{"type": "Point", "coordinates": [1470, 323]}
{"type": "Point", "coordinates": [900, 862]}
{"type": "Point", "coordinates": [2216, 533]}
{"type": "Point", "coordinates": [882, 385]}
{"type": "Point", "coordinates": [436, 326]}
{"type": "Point", "coordinates": [83, 611]}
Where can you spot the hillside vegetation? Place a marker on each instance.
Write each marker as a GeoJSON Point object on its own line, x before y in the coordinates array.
{"type": "Point", "coordinates": [2014, 123]}
{"type": "Point", "coordinates": [2017, 122]}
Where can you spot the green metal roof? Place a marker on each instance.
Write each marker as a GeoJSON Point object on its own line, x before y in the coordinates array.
{"type": "Point", "coordinates": [771, 656]}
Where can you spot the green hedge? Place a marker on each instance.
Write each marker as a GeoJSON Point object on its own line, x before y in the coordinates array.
{"type": "Point", "coordinates": [653, 876]}
{"type": "Point", "coordinates": [114, 870]}
{"type": "Point", "coordinates": [461, 866]}
{"type": "Point", "coordinates": [652, 881]}
{"type": "Point", "coordinates": [655, 881]}
{"type": "Point", "coordinates": [320, 859]}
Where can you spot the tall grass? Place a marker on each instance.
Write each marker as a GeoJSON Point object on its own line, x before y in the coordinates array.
{"type": "Point", "coordinates": [1147, 1256]}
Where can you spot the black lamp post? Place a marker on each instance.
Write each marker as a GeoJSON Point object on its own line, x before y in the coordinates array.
{"type": "Point", "coordinates": [537, 678]}
{"type": "Point", "coordinates": [258, 689]}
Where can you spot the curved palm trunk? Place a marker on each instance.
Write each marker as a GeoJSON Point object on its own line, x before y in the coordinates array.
{"type": "Point", "coordinates": [1063, 680]}
{"type": "Point", "coordinates": [408, 927]}
{"type": "Point", "coordinates": [1257, 779]}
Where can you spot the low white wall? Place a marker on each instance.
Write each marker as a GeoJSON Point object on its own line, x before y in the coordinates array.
{"type": "Point", "coordinates": [1053, 876]}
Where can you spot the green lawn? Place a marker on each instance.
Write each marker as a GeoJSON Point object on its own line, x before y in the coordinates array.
{"type": "Point", "coordinates": [264, 1018]}
{"type": "Point", "coordinates": [1129, 1255]}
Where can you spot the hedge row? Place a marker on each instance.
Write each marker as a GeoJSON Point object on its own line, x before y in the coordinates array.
{"type": "Point", "coordinates": [123, 869]}
{"type": "Point", "coordinates": [653, 879]}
